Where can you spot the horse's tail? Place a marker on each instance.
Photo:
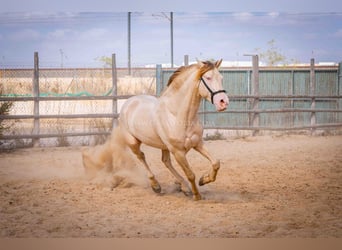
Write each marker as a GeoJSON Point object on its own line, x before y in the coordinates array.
{"type": "Point", "coordinates": [108, 156]}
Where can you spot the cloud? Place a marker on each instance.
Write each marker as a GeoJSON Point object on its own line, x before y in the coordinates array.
{"type": "Point", "coordinates": [17, 19]}
{"type": "Point", "coordinates": [241, 34]}
{"type": "Point", "coordinates": [24, 35]}
{"type": "Point", "coordinates": [81, 45]}
{"type": "Point", "coordinates": [310, 36]}
{"type": "Point", "coordinates": [86, 36]}
{"type": "Point", "coordinates": [320, 52]}
{"type": "Point", "coordinates": [273, 14]}
{"type": "Point", "coordinates": [243, 16]}
{"type": "Point", "coordinates": [60, 34]}
{"type": "Point", "coordinates": [95, 34]}
{"type": "Point", "coordinates": [337, 34]}
{"type": "Point", "coordinates": [273, 18]}
{"type": "Point", "coordinates": [258, 18]}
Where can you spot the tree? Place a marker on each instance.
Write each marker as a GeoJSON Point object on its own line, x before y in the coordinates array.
{"type": "Point", "coordinates": [272, 55]}
{"type": "Point", "coordinates": [107, 61]}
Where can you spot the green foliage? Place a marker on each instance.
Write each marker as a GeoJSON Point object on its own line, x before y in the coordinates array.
{"type": "Point", "coordinates": [273, 56]}
{"type": "Point", "coordinates": [105, 60]}
{"type": "Point", "coordinates": [5, 108]}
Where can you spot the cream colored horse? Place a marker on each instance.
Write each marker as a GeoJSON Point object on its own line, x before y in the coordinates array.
{"type": "Point", "coordinates": [171, 123]}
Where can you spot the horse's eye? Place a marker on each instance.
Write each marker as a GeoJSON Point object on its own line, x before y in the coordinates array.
{"type": "Point", "coordinates": [208, 78]}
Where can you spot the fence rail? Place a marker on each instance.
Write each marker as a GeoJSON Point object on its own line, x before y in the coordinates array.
{"type": "Point", "coordinates": [281, 98]}
{"type": "Point", "coordinates": [275, 99]}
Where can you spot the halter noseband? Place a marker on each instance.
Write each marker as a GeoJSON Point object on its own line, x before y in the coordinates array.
{"type": "Point", "coordinates": [212, 93]}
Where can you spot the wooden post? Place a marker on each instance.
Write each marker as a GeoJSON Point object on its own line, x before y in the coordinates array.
{"type": "Point", "coordinates": [292, 102]}
{"type": "Point", "coordinates": [255, 89]}
{"type": "Point", "coordinates": [186, 60]}
{"type": "Point", "coordinates": [339, 91]}
{"type": "Point", "coordinates": [36, 125]}
{"type": "Point", "coordinates": [312, 93]}
{"type": "Point", "coordinates": [159, 83]}
{"type": "Point", "coordinates": [129, 42]}
{"type": "Point", "coordinates": [171, 36]}
{"type": "Point", "coordinates": [114, 91]}
{"type": "Point", "coordinates": [249, 100]}
{"type": "Point", "coordinates": [339, 80]}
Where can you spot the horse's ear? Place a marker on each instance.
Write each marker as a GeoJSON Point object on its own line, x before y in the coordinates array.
{"type": "Point", "coordinates": [218, 63]}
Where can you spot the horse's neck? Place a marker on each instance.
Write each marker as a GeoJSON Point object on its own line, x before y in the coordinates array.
{"type": "Point", "coordinates": [184, 102]}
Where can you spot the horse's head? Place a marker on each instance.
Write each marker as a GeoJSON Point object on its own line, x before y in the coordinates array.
{"type": "Point", "coordinates": [210, 86]}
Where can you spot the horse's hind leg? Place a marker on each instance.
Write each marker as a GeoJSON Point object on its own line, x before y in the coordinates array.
{"type": "Point", "coordinates": [210, 177]}
{"type": "Point", "coordinates": [167, 161]}
{"type": "Point", "coordinates": [141, 156]}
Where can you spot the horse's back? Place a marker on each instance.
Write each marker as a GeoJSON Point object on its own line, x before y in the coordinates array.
{"type": "Point", "coordinates": [138, 103]}
{"type": "Point", "coordinates": [137, 117]}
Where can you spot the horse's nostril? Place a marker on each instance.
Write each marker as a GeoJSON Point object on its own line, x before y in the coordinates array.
{"type": "Point", "coordinates": [221, 101]}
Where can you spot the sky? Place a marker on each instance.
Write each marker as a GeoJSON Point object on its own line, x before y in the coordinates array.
{"type": "Point", "coordinates": [79, 37]}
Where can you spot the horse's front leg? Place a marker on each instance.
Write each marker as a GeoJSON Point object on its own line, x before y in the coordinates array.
{"type": "Point", "coordinates": [182, 161]}
{"type": "Point", "coordinates": [209, 177]}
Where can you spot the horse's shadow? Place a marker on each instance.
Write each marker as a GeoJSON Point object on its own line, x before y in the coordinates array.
{"type": "Point", "coordinates": [226, 196]}
{"type": "Point", "coordinates": [216, 195]}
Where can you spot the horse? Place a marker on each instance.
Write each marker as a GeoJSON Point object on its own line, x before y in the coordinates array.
{"type": "Point", "coordinates": [170, 123]}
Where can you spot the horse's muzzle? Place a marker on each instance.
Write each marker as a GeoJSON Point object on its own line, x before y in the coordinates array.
{"type": "Point", "coordinates": [221, 101]}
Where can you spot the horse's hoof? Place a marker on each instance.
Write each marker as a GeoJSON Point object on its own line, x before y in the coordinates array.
{"type": "Point", "coordinates": [202, 181]}
{"type": "Point", "coordinates": [197, 197]}
{"type": "Point", "coordinates": [156, 189]}
{"type": "Point", "coordinates": [178, 186]}
{"type": "Point", "coordinates": [187, 193]}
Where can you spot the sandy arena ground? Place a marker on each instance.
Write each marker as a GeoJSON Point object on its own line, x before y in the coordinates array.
{"type": "Point", "coordinates": [268, 186]}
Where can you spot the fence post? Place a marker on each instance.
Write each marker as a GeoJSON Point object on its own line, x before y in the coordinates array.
{"type": "Point", "coordinates": [36, 123]}
{"type": "Point", "coordinates": [114, 91]}
{"type": "Point", "coordinates": [339, 90]}
{"type": "Point", "coordinates": [249, 101]}
{"type": "Point", "coordinates": [292, 102]}
{"type": "Point", "coordinates": [339, 81]}
{"type": "Point", "coordinates": [186, 60]}
{"type": "Point", "coordinates": [159, 83]}
{"type": "Point", "coordinates": [255, 88]}
{"type": "Point", "coordinates": [312, 93]}
{"type": "Point", "coordinates": [129, 43]}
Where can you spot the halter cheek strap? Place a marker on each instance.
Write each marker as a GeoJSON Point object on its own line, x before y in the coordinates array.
{"type": "Point", "coordinates": [212, 93]}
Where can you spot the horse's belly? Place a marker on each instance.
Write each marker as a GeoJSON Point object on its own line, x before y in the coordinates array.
{"type": "Point", "coordinates": [147, 135]}
{"type": "Point", "coordinates": [138, 116]}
